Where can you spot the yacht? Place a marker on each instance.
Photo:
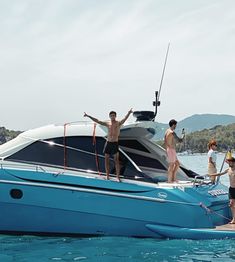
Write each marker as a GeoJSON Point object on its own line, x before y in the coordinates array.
{"type": "Point", "coordinates": [53, 182]}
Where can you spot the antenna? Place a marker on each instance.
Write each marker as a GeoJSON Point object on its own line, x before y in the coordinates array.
{"type": "Point", "coordinates": [150, 115]}
{"type": "Point", "coordinates": [157, 102]}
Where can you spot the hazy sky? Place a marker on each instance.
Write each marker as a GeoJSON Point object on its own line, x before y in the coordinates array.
{"type": "Point", "coordinates": [59, 58]}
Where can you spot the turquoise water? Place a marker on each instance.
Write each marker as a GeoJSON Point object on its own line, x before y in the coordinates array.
{"type": "Point", "coordinates": [118, 249]}
{"type": "Point", "coordinates": [32, 248]}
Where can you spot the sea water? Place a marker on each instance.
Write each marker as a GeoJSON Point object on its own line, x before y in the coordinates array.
{"type": "Point", "coordinates": [120, 249]}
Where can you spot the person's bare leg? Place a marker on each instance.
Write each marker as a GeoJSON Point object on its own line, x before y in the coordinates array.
{"type": "Point", "coordinates": [213, 179]}
{"type": "Point", "coordinates": [107, 165]}
{"type": "Point", "coordinates": [175, 169]}
{"type": "Point", "coordinates": [232, 206]}
{"type": "Point", "coordinates": [117, 166]}
{"type": "Point", "coordinates": [170, 172]}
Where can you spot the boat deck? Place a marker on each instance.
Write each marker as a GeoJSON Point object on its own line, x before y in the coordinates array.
{"type": "Point", "coordinates": [230, 227]}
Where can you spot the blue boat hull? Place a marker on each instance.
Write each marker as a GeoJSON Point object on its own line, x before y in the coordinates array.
{"type": "Point", "coordinates": [45, 210]}
{"type": "Point", "coordinates": [97, 207]}
{"type": "Point", "coordinates": [43, 221]}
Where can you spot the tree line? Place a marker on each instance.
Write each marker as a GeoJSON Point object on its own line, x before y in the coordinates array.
{"type": "Point", "coordinates": [196, 142]}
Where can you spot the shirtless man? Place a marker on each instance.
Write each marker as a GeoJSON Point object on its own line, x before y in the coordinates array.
{"type": "Point", "coordinates": [111, 147]}
{"type": "Point", "coordinates": [231, 172]}
{"type": "Point", "coordinates": [170, 140]}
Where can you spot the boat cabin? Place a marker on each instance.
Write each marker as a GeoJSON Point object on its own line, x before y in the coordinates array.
{"type": "Point", "coordinates": [80, 147]}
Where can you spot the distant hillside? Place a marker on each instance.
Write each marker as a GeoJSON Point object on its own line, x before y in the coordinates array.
{"type": "Point", "coordinates": [197, 123]}
{"type": "Point", "coordinates": [197, 141]}
{"type": "Point", "coordinates": [200, 122]}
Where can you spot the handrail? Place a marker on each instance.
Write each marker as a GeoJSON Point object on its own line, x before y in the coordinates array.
{"type": "Point", "coordinates": [204, 179]}
{"type": "Point", "coordinates": [44, 169]}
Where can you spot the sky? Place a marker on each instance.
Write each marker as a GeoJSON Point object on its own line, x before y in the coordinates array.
{"type": "Point", "coordinates": [61, 58]}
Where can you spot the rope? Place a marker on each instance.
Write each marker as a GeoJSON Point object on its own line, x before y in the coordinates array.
{"type": "Point", "coordinates": [65, 148]}
{"type": "Point", "coordinates": [210, 211]}
{"type": "Point", "coordinates": [96, 154]}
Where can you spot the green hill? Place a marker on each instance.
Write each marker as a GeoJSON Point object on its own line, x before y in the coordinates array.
{"type": "Point", "coordinates": [197, 123]}
{"type": "Point", "coordinates": [197, 141]}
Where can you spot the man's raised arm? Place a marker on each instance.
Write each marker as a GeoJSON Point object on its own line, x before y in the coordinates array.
{"type": "Point", "coordinates": [125, 118]}
{"type": "Point", "coordinates": [95, 119]}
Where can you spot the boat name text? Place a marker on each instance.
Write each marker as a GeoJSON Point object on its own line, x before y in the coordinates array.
{"type": "Point", "coordinates": [217, 192]}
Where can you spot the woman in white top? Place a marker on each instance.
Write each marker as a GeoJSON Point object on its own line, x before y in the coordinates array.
{"type": "Point", "coordinates": [212, 159]}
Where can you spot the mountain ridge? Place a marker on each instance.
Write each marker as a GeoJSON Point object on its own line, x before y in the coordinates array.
{"type": "Point", "coordinates": [206, 121]}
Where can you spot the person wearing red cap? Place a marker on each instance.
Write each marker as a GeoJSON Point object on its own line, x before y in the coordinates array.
{"type": "Point", "coordinates": [212, 159]}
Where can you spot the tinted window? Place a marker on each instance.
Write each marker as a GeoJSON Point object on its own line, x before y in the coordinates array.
{"type": "Point", "coordinates": [78, 153]}
{"type": "Point", "coordinates": [85, 143]}
{"type": "Point", "coordinates": [134, 144]}
{"type": "Point", "coordinates": [146, 161]}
